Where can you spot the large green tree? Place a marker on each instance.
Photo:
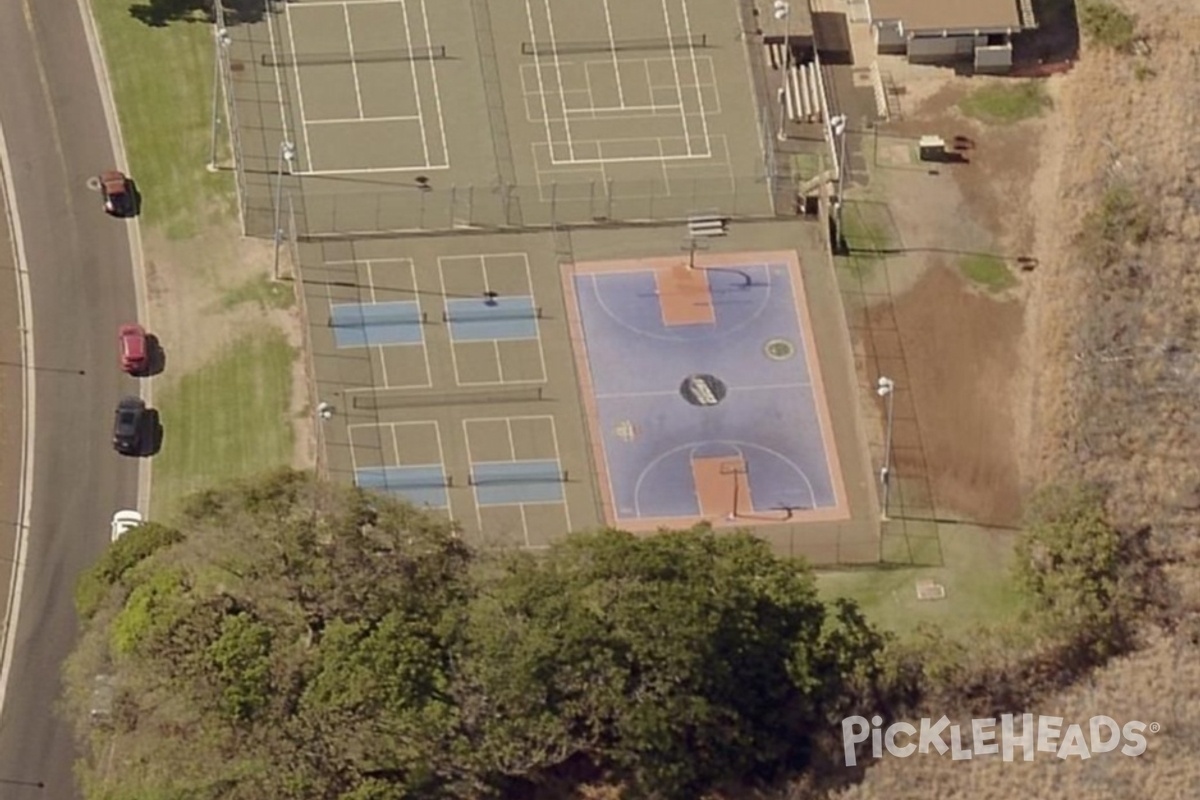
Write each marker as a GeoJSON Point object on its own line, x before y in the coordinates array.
{"type": "Point", "coordinates": [293, 639]}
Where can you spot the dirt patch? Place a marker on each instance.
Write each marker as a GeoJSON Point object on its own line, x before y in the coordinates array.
{"type": "Point", "coordinates": [956, 349]}
{"type": "Point", "coordinates": [960, 350]}
{"type": "Point", "coordinates": [196, 310]}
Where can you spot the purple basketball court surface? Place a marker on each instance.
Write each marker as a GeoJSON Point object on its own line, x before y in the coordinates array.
{"type": "Point", "coordinates": [704, 391]}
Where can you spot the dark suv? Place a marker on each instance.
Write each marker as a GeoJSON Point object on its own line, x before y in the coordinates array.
{"type": "Point", "coordinates": [128, 426]}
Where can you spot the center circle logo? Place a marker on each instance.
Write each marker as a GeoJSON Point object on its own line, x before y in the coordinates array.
{"type": "Point", "coordinates": [779, 349]}
{"type": "Point", "coordinates": [703, 390]}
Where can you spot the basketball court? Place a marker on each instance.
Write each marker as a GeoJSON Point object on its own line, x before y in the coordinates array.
{"type": "Point", "coordinates": [704, 391]}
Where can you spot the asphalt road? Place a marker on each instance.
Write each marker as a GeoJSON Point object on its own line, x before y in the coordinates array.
{"type": "Point", "coordinates": [82, 288]}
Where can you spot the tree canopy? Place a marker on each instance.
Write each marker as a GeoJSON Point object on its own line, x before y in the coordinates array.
{"type": "Point", "coordinates": [294, 639]}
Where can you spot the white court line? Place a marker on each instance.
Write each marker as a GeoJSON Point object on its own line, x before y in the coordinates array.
{"type": "Point", "coordinates": [437, 94]}
{"type": "Point", "coordinates": [387, 383]}
{"type": "Point", "coordinates": [558, 72]}
{"type": "Point", "coordinates": [353, 458]}
{"type": "Point", "coordinates": [353, 62]}
{"type": "Point", "coordinates": [675, 66]}
{"type": "Point", "coordinates": [512, 446]}
{"type": "Point", "coordinates": [675, 392]}
{"type": "Point", "coordinates": [308, 154]}
{"type": "Point", "coordinates": [558, 458]}
{"type": "Point", "coordinates": [437, 432]}
{"type": "Point", "coordinates": [395, 443]}
{"type": "Point", "coordinates": [537, 67]}
{"type": "Point", "coordinates": [449, 332]}
{"type": "Point", "coordinates": [687, 24]}
{"type": "Point", "coordinates": [372, 170]}
{"type": "Point", "coordinates": [307, 3]}
{"type": "Point", "coordinates": [412, 65]}
{"type": "Point", "coordinates": [283, 112]}
{"type": "Point", "coordinates": [357, 120]}
{"type": "Point", "coordinates": [615, 64]}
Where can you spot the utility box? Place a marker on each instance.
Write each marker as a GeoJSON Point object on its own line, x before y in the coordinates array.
{"type": "Point", "coordinates": [933, 148]}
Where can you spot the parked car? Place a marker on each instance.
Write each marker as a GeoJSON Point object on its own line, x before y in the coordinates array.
{"type": "Point", "coordinates": [117, 193]}
{"type": "Point", "coordinates": [135, 354]}
{"type": "Point", "coordinates": [129, 425]}
{"type": "Point", "coordinates": [124, 521]}
{"type": "Point", "coordinates": [104, 691]}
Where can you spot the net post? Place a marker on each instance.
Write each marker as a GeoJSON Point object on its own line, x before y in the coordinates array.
{"type": "Point", "coordinates": [471, 479]}
{"type": "Point", "coordinates": [445, 315]}
{"type": "Point", "coordinates": [566, 478]}
{"type": "Point", "coordinates": [608, 190]}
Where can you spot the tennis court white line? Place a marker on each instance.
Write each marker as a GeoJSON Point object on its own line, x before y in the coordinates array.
{"type": "Point", "coordinates": [437, 94]}
{"type": "Point", "coordinates": [353, 61]}
{"type": "Point", "coordinates": [360, 120]}
{"type": "Point", "coordinates": [687, 24]}
{"type": "Point", "coordinates": [675, 68]}
{"type": "Point", "coordinates": [387, 383]}
{"type": "Point", "coordinates": [615, 64]}
{"type": "Point", "coordinates": [308, 154]}
{"type": "Point", "coordinates": [307, 3]}
{"type": "Point", "coordinates": [283, 113]}
{"type": "Point", "coordinates": [558, 72]}
{"type": "Point", "coordinates": [412, 65]}
{"type": "Point", "coordinates": [558, 458]}
{"type": "Point", "coordinates": [537, 65]}
{"type": "Point", "coordinates": [372, 170]}
{"type": "Point", "coordinates": [395, 445]}
{"type": "Point", "coordinates": [675, 392]}
{"type": "Point", "coordinates": [437, 432]}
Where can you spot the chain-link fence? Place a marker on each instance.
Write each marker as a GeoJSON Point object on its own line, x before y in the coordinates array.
{"type": "Point", "coordinates": [221, 47]}
{"type": "Point", "coordinates": [455, 208]}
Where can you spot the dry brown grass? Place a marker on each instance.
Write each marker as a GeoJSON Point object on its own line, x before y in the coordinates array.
{"type": "Point", "coordinates": [1117, 340]}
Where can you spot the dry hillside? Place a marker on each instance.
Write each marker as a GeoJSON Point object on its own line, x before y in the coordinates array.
{"type": "Point", "coordinates": [1114, 327]}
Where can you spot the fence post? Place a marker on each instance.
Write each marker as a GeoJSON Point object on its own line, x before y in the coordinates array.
{"type": "Point", "coordinates": [554, 202]}
{"type": "Point", "coordinates": [608, 191]}
{"type": "Point", "coordinates": [592, 199]}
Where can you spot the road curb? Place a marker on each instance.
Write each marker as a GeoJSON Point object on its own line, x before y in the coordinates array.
{"type": "Point", "coordinates": [133, 227]}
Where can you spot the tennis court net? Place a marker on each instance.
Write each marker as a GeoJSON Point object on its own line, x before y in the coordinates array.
{"type": "Point", "coordinates": [381, 399]}
{"type": "Point", "coordinates": [489, 313]}
{"type": "Point", "coordinates": [518, 480]}
{"type": "Point", "coordinates": [553, 48]}
{"type": "Point", "coordinates": [360, 320]}
{"type": "Point", "coordinates": [357, 57]}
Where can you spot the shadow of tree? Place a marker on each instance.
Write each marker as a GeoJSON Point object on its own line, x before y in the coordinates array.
{"type": "Point", "coordinates": [160, 13]}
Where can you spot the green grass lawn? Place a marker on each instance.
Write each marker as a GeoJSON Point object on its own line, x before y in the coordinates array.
{"type": "Point", "coordinates": [1006, 103]}
{"type": "Point", "coordinates": [988, 271]}
{"type": "Point", "coordinates": [162, 80]}
{"type": "Point", "coordinates": [225, 420]}
{"type": "Point", "coordinates": [262, 291]}
{"type": "Point", "coordinates": [975, 569]}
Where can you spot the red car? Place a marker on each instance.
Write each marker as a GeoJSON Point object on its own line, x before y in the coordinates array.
{"type": "Point", "coordinates": [134, 350]}
{"type": "Point", "coordinates": [117, 193]}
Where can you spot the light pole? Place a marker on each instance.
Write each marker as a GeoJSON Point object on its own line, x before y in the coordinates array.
{"type": "Point", "coordinates": [287, 154]}
{"type": "Point", "coordinates": [837, 127]}
{"type": "Point", "coordinates": [886, 388]}
{"type": "Point", "coordinates": [783, 11]}
{"type": "Point", "coordinates": [222, 39]}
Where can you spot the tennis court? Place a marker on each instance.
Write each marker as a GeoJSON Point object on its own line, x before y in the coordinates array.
{"type": "Point", "coordinates": [364, 78]}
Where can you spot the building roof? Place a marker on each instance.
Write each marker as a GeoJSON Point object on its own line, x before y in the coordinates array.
{"type": "Point", "coordinates": [921, 16]}
{"type": "Point", "coordinates": [798, 24]}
